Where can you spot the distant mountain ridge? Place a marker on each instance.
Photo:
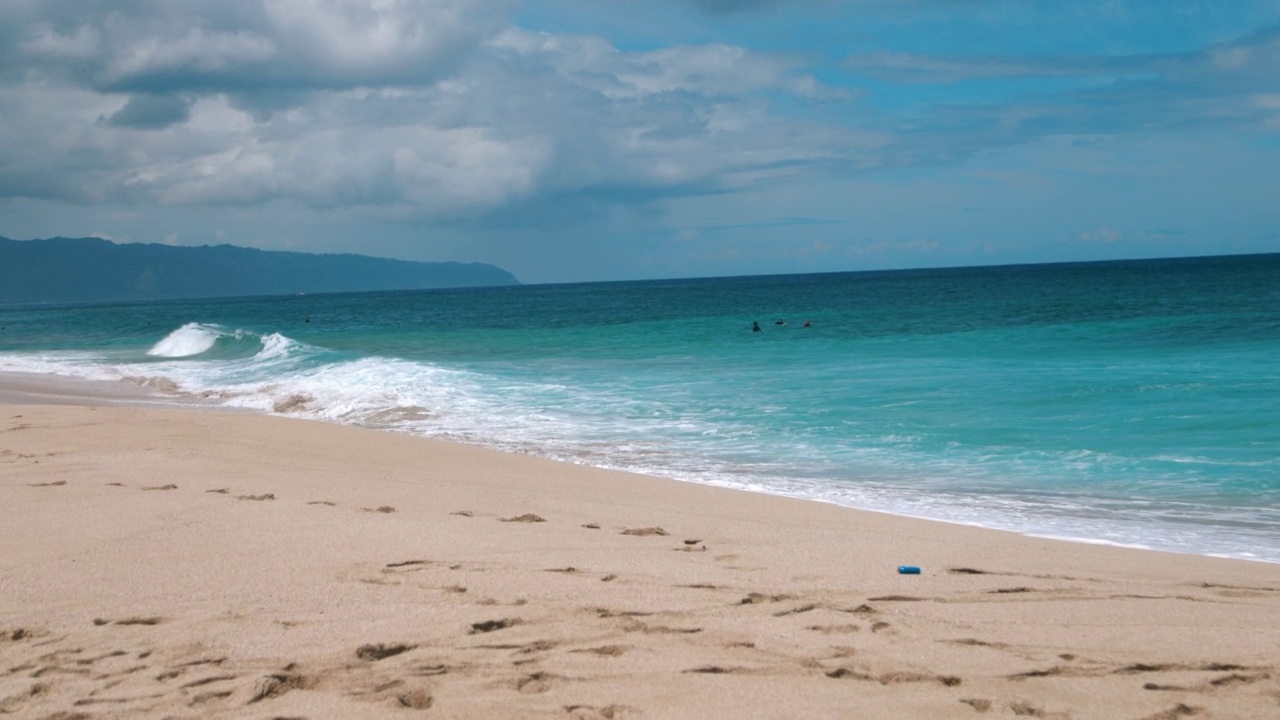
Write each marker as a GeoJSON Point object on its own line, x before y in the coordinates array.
{"type": "Point", "coordinates": [92, 269]}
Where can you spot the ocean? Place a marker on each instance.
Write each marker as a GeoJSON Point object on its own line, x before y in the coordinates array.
{"type": "Point", "coordinates": [1134, 403]}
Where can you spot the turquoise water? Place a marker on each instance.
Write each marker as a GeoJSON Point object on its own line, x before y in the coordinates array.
{"type": "Point", "coordinates": [1134, 402]}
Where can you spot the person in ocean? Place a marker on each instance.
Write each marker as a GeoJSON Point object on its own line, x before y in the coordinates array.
{"type": "Point", "coordinates": [755, 326]}
{"type": "Point", "coordinates": [806, 324]}
{"type": "Point", "coordinates": [779, 322]}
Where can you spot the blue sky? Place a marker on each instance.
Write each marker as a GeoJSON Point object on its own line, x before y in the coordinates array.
{"type": "Point", "coordinates": [570, 140]}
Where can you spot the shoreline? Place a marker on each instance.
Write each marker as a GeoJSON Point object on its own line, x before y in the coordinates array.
{"type": "Point", "coordinates": [22, 388]}
{"type": "Point", "coordinates": [161, 561]}
{"type": "Point", "coordinates": [38, 388]}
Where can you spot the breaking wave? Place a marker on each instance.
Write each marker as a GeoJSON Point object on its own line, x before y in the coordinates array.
{"type": "Point", "coordinates": [188, 340]}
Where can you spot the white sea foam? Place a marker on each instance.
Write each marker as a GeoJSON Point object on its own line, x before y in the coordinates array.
{"type": "Point", "coordinates": [188, 340]}
{"type": "Point", "coordinates": [83, 365]}
{"type": "Point", "coordinates": [276, 345]}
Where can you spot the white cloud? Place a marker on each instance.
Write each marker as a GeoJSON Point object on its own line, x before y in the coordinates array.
{"type": "Point", "coordinates": [229, 45]}
{"type": "Point", "coordinates": [83, 43]}
{"type": "Point", "coordinates": [394, 103]}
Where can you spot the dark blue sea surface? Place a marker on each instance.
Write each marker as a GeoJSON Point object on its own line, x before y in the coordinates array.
{"type": "Point", "coordinates": [1128, 402]}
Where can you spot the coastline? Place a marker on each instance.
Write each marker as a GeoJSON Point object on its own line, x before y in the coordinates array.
{"type": "Point", "coordinates": [166, 561]}
{"type": "Point", "coordinates": [21, 388]}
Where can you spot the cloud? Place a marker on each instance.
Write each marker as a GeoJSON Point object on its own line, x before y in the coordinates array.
{"type": "Point", "coordinates": [232, 45]}
{"type": "Point", "coordinates": [151, 112]}
{"type": "Point", "coordinates": [595, 65]}
{"type": "Point", "coordinates": [1250, 57]}
{"type": "Point", "coordinates": [907, 67]}
{"type": "Point", "coordinates": [374, 105]}
{"type": "Point", "coordinates": [1219, 86]}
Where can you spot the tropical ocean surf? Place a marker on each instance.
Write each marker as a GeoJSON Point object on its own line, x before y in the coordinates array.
{"type": "Point", "coordinates": [1135, 403]}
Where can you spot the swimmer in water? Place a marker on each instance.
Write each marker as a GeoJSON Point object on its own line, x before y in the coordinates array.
{"type": "Point", "coordinates": [755, 326]}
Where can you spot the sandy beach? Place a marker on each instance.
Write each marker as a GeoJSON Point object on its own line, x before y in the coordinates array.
{"type": "Point", "coordinates": [162, 562]}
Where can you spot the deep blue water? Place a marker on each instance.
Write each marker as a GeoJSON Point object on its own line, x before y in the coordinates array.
{"type": "Point", "coordinates": [1128, 402]}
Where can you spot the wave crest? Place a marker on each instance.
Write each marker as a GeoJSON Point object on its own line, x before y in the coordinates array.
{"type": "Point", "coordinates": [276, 345]}
{"type": "Point", "coordinates": [190, 339]}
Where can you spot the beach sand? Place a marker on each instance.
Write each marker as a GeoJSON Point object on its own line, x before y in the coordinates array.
{"type": "Point", "coordinates": [159, 562]}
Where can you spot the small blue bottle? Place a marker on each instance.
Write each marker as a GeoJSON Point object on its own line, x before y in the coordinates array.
{"type": "Point", "coordinates": [908, 570]}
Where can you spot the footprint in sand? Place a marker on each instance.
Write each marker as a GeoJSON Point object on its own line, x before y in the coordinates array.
{"type": "Point", "coordinates": [537, 646]}
{"type": "Point", "coordinates": [634, 625]}
{"type": "Point", "coordinates": [1177, 711]}
{"type": "Point", "coordinates": [843, 673]}
{"type": "Point", "coordinates": [645, 531]}
{"type": "Point", "coordinates": [536, 683]}
{"type": "Point", "coordinates": [209, 696]}
{"type": "Point", "coordinates": [492, 625]}
{"type": "Point", "coordinates": [897, 678]}
{"type": "Point", "coordinates": [589, 712]}
{"type": "Point", "coordinates": [834, 629]}
{"type": "Point", "coordinates": [716, 670]}
{"type": "Point", "coordinates": [380, 651]}
{"type": "Point", "coordinates": [796, 610]}
{"type": "Point", "coordinates": [130, 621]}
{"type": "Point", "coordinates": [415, 699]}
{"type": "Point", "coordinates": [277, 684]}
{"type": "Point", "coordinates": [604, 650]}
{"type": "Point", "coordinates": [16, 702]}
{"type": "Point", "coordinates": [974, 642]}
{"type": "Point", "coordinates": [757, 598]}
{"type": "Point", "coordinates": [207, 681]}
{"type": "Point", "coordinates": [526, 518]}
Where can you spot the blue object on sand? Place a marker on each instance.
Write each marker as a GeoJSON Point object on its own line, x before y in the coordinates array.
{"type": "Point", "coordinates": [908, 570]}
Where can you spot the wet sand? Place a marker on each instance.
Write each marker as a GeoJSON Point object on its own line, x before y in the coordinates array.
{"type": "Point", "coordinates": [166, 562]}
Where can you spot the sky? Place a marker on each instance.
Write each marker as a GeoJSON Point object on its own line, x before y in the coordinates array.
{"type": "Point", "coordinates": [583, 140]}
